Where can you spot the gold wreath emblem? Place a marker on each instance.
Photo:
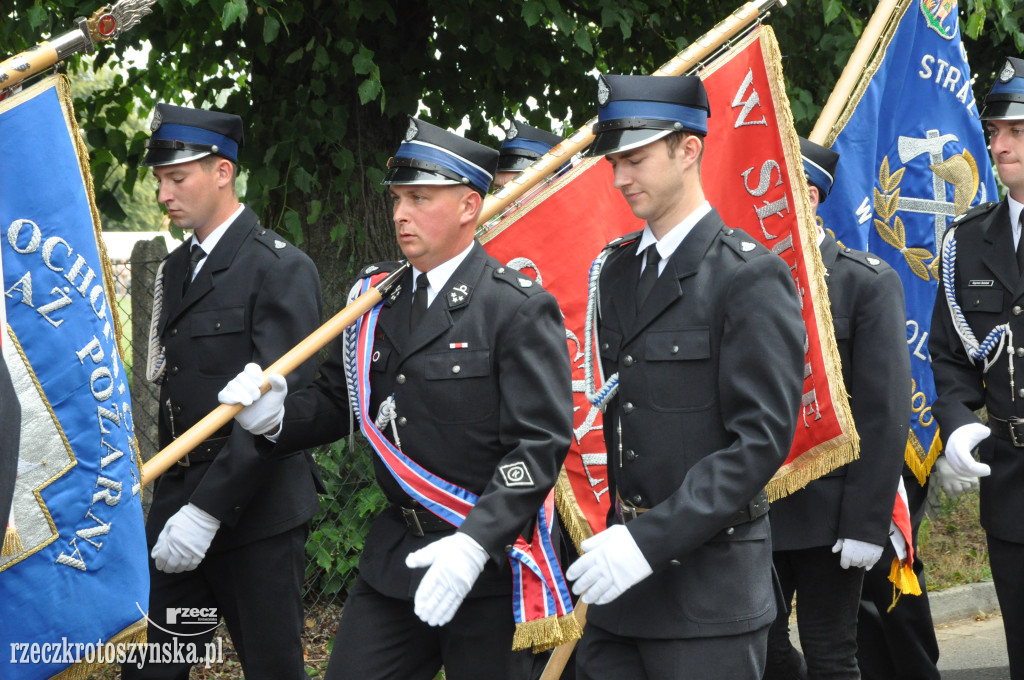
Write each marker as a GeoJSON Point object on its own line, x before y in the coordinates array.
{"type": "Point", "coordinates": [886, 203]}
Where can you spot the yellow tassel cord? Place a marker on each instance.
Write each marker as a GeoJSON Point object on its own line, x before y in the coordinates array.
{"type": "Point", "coordinates": [12, 543]}
{"type": "Point", "coordinates": [569, 510]}
{"type": "Point", "coordinates": [904, 581]}
{"type": "Point", "coordinates": [547, 633]}
{"type": "Point", "coordinates": [134, 634]}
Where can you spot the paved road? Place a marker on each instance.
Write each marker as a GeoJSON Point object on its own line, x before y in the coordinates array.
{"type": "Point", "coordinates": [973, 650]}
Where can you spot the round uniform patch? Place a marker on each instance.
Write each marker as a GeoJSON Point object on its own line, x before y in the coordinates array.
{"type": "Point", "coordinates": [411, 133]}
{"type": "Point", "coordinates": [1008, 72]}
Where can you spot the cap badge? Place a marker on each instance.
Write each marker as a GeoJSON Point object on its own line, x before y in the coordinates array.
{"type": "Point", "coordinates": [513, 131]}
{"type": "Point", "coordinates": [604, 92]}
{"type": "Point", "coordinates": [1008, 72]}
{"type": "Point", "coordinates": [158, 120]}
{"type": "Point", "coordinates": [411, 133]}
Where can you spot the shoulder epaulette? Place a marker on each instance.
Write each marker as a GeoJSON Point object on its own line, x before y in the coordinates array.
{"type": "Point", "coordinates": [377, 268]}
{"type": "Point", "coordinates": [273, 241]}
{"type": "Point", "coordinates": [624, 240]}
{"type": "Point", "coordinates": [976, 211]}
{"type": "Point", "coordinates": [740, 241]}
{"type": "Point", "coordinates": [869, 260]}
{"type": "Point", "coordinates": [518, 280]}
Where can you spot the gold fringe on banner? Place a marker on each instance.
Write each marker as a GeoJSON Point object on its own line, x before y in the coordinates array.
{"type": "Point", "coordinates": [134, 634]}
{"type": "Point", "coordinates": [547, 633]}
{"type": "Point", "coordinates": [844, 448]}
{"type": "Point", "coordinates": [12, 543]}
{"type": "Point", "coordinates": [919, 462]}
{"type": "Point", "coordinates": [569, 510]}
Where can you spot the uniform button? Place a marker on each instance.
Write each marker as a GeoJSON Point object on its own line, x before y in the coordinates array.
{"type": "Point", "coordinates": [604, 345]}
{"type": "Point", "coordinates": [400, 378]}
{"type": "Point", "coordinates": [637, 500]}
{"type": "Point", "coordinates": [627, 407]}
{"type": "Point", "coordinates": [1020, 393]}
{"type": "Point", "coordinates": [627, 361]}
{"type": "Point", "coordinates": [216, 326]}
{"type": "Point", "coordinates": [674, 563]}
{"type": "Point", "coordinates": [1016, 310]}
{"type": "Point", "coordinates": [630, 455]}
{"type": "Point", "coordinates": [174, 331]}
{"type": "Point", "coordinates": [456, 368]}
{"type": "Point", "coordinates": [675, 349]}
{"type": "Point", "coordinates": [238, 508]}
{"type": "Point", "coordinates": [731, 530]}
{"type": "Point", "coordinates": [1020, 351]}
{"type": "Point", "coordinates": [508, 548]}
{"type": "Point", "coordinates": [177, 410]}
{"type": "Point", "coordinates": [174, 370]}
{"type": "Point", "coordinates": [402, 422]}
{"type": "Point", "coordinates": [501, 270]}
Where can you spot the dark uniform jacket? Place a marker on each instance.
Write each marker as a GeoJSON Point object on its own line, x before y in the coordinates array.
{"type": "Point", "coordinates": [254, 298]}
{"type": "Point", "coordinates": [464, 412]}
{"type": "Point", "coordinates": [10, 438]}
{"type": "Point", "coordinates": [710, 380]}
{"type": "Point", "coordinates": [990, 291]}
{"type": "Point", "coordinates": [856, 500]}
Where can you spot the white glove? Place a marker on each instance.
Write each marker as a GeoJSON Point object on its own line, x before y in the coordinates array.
{"type": "Point", "coordinates": [857, 553]}
{"type": "Point", "coordinates": [952, 483]}
{"type": "Point", "coordinates": [611, 564]}
{"type": "Point", "coordinates": [455, 564]}
{"type": "Point", "coordinates": [184, 540]}
{"type": "Point", "coordinates": [263, 413]}
{"type": "Point", "coordinates": [959, 446]}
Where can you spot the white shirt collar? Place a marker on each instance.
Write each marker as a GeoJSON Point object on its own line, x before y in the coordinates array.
{"type": "Point", "coordinates": [210, 242]}
{"type": "Point", "coordinates": [670, 241]}
{"type": "Point", "coordinates": [1015, 210]}
{"type": "Point", "coordinates": [439, 275]}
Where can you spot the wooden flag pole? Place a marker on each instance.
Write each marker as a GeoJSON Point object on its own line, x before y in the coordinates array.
{"type": "Point", "coordinates": [853, 71]}
{"type": "Point", "coordinates": [295, 357]}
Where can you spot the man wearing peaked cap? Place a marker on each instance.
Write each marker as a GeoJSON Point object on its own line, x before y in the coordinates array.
{"type": "Point", "coordinates": [523, 145]}
{"type": "Point", "coordinates": [988, 296]}
{"type": "Point", "coordinates": [469, 377]}
{"type": "Point", "coordinates": [827, 534]}
{"type": "Point", "coordinates": [227, 529]}
{"type": "Point", "coordinates": [680, 584]}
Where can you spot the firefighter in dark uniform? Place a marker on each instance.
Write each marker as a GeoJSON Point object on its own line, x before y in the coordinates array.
{"type": "Point", "coordinates": [227, 529]}
{"type": "Point", "coordinates": [482, 390]}
{"type": "Point", "coordinates": [703, 327]}
{"type": "Point", "coordinates": [826, 534]}
{"type": "Point", "coordinates": [523, 145]}
{"type": "Point", "coordinates": [981, 292]}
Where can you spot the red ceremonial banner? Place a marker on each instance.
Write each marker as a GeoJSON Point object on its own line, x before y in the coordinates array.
{"type": "Point", "coordinates": [751, 146]}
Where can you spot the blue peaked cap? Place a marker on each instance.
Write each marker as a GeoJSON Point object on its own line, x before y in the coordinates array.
{"type": "Point", "coordinates": [181, 134]}
{"type": "Point", "coordinates": [432, 155]}
{"type": "Point", "coordinates": [819, 166]}
{"type": "Point", "coordinates": [1005, 101]}
{"type": "Point", "coordinates": [637, 110]}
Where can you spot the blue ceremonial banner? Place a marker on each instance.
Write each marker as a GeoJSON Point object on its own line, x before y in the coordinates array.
{"type": "Point", "coordinates": [913, 155]}
{"type": "Point", "coordinates": [75, 578]}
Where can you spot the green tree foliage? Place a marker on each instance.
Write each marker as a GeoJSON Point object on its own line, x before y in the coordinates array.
{"type": "Point", "coordinates": [325, 86]}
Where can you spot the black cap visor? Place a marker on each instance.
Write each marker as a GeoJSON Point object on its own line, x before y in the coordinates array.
{"type": "Point", "coordinates": [626, 139]}
{"type": "Point", "coordinates": [514, 162]}
{"type": "Point", "coordinates": [1003, 110]}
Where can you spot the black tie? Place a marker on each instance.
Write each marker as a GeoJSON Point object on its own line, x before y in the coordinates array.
{"type": "Point", "coordinates": [195, 255]}
{"type": "Point", "coordinates": [648, 277]}
{"type": "Point", "coordinates": [419, 301]}
{"type": "Point", "coordinates": [1020, 244]}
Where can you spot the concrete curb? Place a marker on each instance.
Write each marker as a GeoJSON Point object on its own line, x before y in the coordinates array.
{"type": "Point", "coordinates": [962, 602]}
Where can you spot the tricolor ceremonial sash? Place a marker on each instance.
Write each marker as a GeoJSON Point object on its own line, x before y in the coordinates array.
{"type": "Point", "coordinates": [542, 608]}
{"type": "Point", "coordinates": [77, 580]}
{"type": "Point", "coordinates": [913, 156]}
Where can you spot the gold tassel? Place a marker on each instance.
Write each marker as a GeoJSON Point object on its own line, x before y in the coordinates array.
{"type": "Point", "coordinates": [134, 634]}
{"type": "Point", "coordinates": [904, 581]}
{"type": "Point", "coordinates": [12, 543]}
{"type": "Point", "coordinates": [543, 634]}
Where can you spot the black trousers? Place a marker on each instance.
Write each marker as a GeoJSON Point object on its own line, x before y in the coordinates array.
{"type": "Point", "coordinates": [257, 590]}
{"type": "Point", "coordinates": [381, 638]}
{"type": "Point", "coordinates": [826, 613]}
{"type": "Point", "coordinates": [898, 644]}
{"type": "Point", "coordinates": [1007, 561]}
{"type": "Point", "coordinates": [607, 656]}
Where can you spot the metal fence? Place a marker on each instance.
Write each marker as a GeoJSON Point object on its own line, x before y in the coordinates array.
{"type": "Point", "coordinates": [353, 499]}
